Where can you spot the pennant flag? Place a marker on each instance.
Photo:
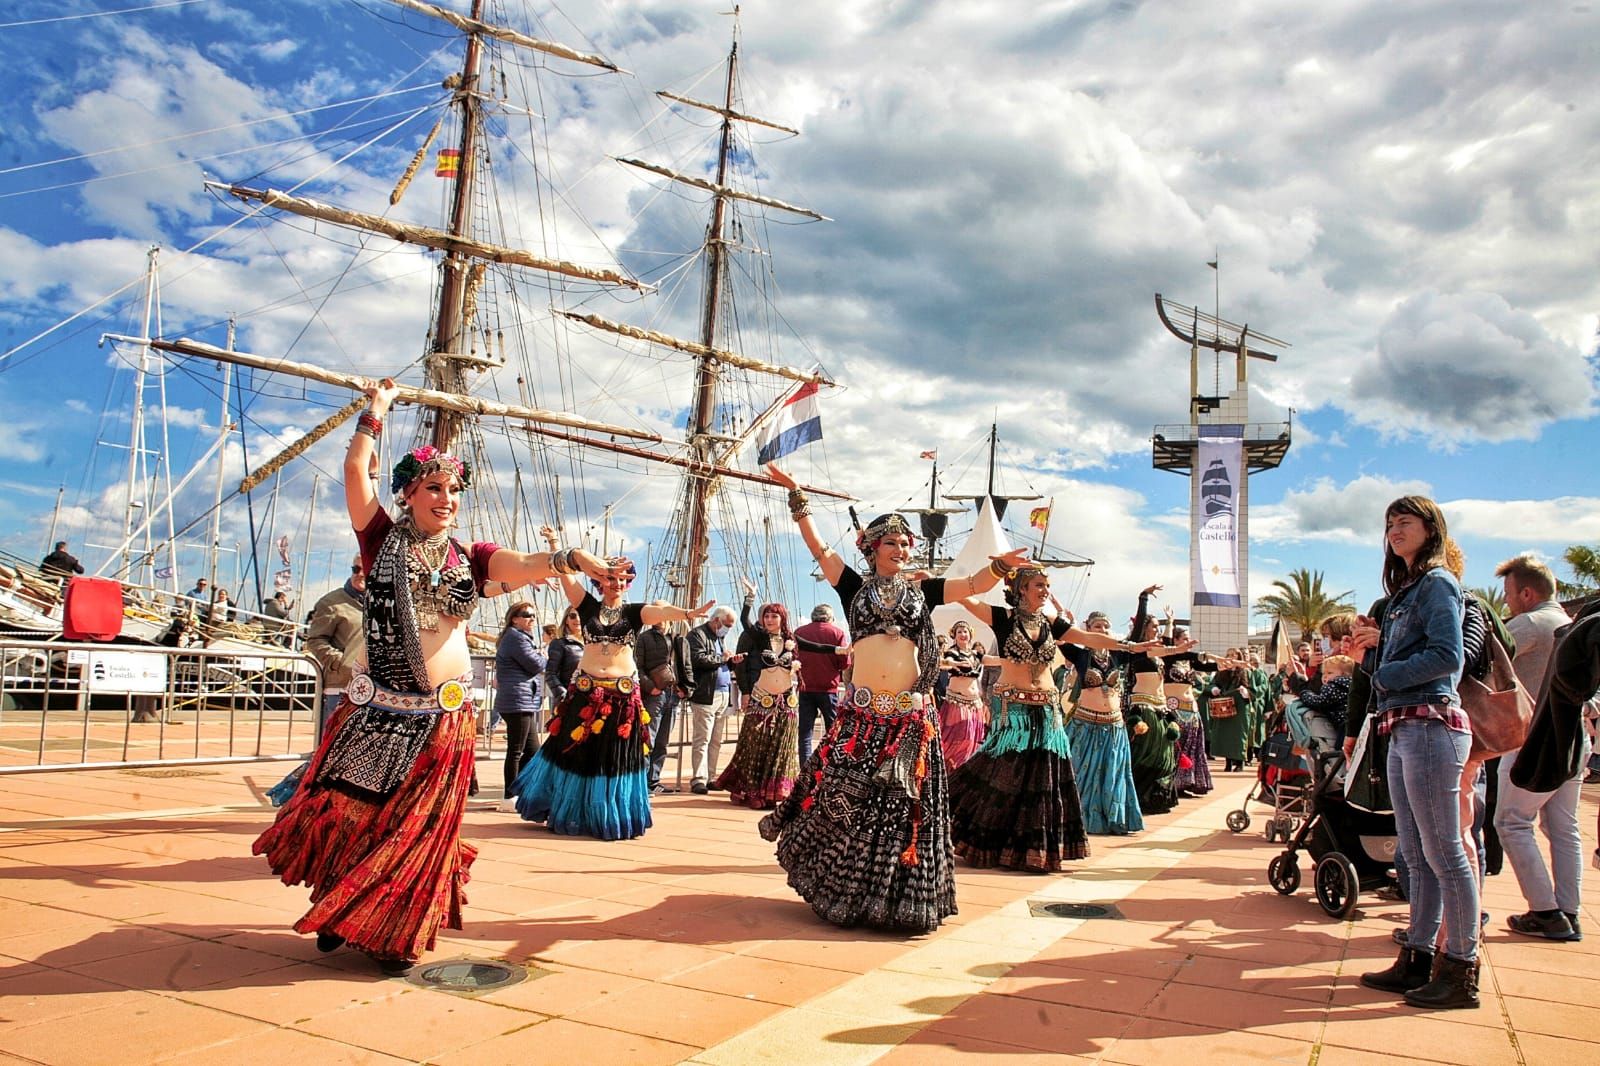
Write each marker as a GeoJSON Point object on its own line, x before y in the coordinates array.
{"type": "Point", "coordinates": [283, 581]}
{"type": "Point", "coordinates": [1039, 518]}
{"type": "Point", "coordinates": [798, 423]}
{"type": "Point", "coordinates": [283, 548]}
{"type": "Point", "coordinates": [934, 454]}
{"type": "Point", "coordinates": [163, 572]}
{"type": "Point", "coordinates": [449, 163]}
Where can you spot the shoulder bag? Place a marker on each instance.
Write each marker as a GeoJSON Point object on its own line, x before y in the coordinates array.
{"type": "Point", "coordinates": [1498, 707]}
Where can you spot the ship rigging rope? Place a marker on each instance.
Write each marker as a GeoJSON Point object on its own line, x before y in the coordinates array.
{"type": "Point", "coordinates": [224, 129]}
{"type": "Point", "coordinates": [98, 14]}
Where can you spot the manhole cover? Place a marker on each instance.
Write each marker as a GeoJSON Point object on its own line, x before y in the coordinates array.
{"type": "Point", "coordinates": [467, 977]}
{"type": "Point", "coordinates": [1072, 910]}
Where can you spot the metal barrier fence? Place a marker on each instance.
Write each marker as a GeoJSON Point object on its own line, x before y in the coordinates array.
{"type": "Point", "coordinates": [110, 706]}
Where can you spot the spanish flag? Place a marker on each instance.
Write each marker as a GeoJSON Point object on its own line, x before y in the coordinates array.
{"type": "Point", "coordinates": [1039, 518]}
{"type": "Point", "coordinates": [449, 163]}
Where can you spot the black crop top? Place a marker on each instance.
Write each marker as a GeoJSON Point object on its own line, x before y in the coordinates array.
{"type": "Point", "coordinates": [602, 626]}
{"type": "Point", "coordinates": [1012, 643]}
{"type": "Point", "coordinates": [963, 663]}
{"type": "Point", "coordinates": [909, 616]}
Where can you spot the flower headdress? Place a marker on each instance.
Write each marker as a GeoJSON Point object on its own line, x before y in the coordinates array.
{"type": "Point", "coordinates": [1016, 579]}
{"type": "Point", "coordinates": [420, 462]}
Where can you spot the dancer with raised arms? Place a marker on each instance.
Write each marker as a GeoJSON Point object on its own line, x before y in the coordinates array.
{"type": "Point", "coordinates": [865, 835]}
{"type": "Point", "coordinates": [591, 775]}
{"type": "Point", "coordinates": [1015, 803]}
{"type": "Point", "coordinates": [374, 827]}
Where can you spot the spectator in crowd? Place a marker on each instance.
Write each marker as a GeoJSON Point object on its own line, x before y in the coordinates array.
{"type": "Point", "coordinates": [60, 563]}
{"type": "Point", "coordinates": [821, 674]}
{"type": "Point", "coordinates": [334, 637]}
{"type": "Point", "coordinates": [201, 593]}
{"type": "Point", "coordinates": [708, 702]}
{"type": "Point", "coordinates": [519, 666]}
{"type": "Point", "coordinates": [1530, 590]}
{"type": "Point", "coordinates": [281, 610]}
{"type": "Point", "coordinates": [658, 685]}
{"type": "Point", "coordinates": [563, 656]}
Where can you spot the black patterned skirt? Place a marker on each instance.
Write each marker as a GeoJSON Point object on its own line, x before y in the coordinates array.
{"type": "Point", "coordinates": [1014, 804]}
{"type": "Point", "coordinates": [865, 835]}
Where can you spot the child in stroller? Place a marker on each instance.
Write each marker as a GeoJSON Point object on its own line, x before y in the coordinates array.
{"type": "Point", "coordinates": [1353, 849]}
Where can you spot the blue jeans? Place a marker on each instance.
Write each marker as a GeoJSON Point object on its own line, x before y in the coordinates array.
{"type": "Point", "coordinates": [1557, 813]}
{"type": "Point", "coordinates": [811, 705]}
{"type": "Point", "coordinates": [660, 706]}
{"type": "Point", "coordinates": [1425, 764]}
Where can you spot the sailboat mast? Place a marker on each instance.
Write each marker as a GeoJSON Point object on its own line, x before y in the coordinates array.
{"type": "Point", "coordinates": [933, 503]}
{"type": "Point", "coordinates": [994, 438]}
{"type": "Point", "coordinates": [214, 541]}
{"type": "Point", "coordinates": [445, 373]}
{"type": "Point", "coordinates": [705, 400]}
{"type": "Point", "coordinates": [136, 434]}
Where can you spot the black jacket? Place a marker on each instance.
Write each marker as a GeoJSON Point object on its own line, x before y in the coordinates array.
{"type": "Point", "coordinates": [1552, 754]}
{"type": "Point", "coordinates": [62, 563]}
{"type": "Point", "coordinates": [706, 656]}
{"type": "Point", "coordinates": [651, 650]}
{"type": "Point", "coordinates": [564, 654]}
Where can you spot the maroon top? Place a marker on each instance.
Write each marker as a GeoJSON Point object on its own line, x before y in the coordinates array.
{"type": "Point", "coordinates": [821, 671]}
{"type": "Point", "coordinates": [371, 539]}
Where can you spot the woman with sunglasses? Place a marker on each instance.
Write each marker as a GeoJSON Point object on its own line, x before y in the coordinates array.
{"type": "Point", "coordinates": [590, 777]}
{"type": "Point", "coordinates": [563, 656]}
{"type": "Point", "coordinates": [519, 664]}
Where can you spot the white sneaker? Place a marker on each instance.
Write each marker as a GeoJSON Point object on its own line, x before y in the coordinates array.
{"type": "Point", "coordinates": [507, 805]}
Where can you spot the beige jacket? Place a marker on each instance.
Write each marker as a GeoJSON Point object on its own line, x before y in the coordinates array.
{"type": "Point", "coordinates": [335, 638]}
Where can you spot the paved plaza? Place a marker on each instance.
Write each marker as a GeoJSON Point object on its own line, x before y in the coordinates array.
{"type": "Point", "coordinates": [136, 927]}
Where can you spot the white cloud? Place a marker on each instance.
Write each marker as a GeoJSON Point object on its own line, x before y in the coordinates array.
{"type": "Point", "coordinates": [1454, 368]}
{"type": "Point", "coordinates": [1351, 513]}
{"type": "Point", "coordinates": [1562, 521]}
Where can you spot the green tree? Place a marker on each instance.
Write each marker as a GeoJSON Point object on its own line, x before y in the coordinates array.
{"type": "Point", "coordinates": [1585, 564]}
{"type": "Point", "coordinates": [1494, 596]}
{"type": "Point", "coordinates": [1302, 602]}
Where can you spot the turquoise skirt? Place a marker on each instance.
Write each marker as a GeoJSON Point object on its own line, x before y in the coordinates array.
{"type": "Point", "coordinates": [1104, 767]}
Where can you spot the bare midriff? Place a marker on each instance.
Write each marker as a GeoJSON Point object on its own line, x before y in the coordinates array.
{"type": "Point", "coordinates": [1030, 677]}
{"type": "Point", "coordinates": [1100, 700]}
{"type": "Point", "coordinates": [1148, 685]}
{"type": "Point", "coordinates": [445, 650]}
{"type": "Point", "coordinates": [608, 660]}
{"type": "Point", "coordinates": [885, 664]}
{"type": "Point", "coordinates": [965, 688]}
{"type": "Point", "coordinates": [776, 680]}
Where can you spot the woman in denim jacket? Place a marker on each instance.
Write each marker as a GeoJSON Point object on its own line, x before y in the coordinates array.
{"type": "Point", "coordinates": [1418, 666]}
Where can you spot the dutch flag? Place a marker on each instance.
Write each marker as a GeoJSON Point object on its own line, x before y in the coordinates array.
{"type": "Point", "coordinates": [799, 422]}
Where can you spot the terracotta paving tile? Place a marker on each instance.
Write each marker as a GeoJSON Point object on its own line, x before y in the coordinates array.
{"type": "Point", "coordinates": [633, 958]}
{"type": "Point", "coordinates": [1353, 1000]}
{"type": "Point", "coordinates": [681, 1015]}
{"type": "Point", "coordinates": [1224, 1008]}
{"type": "Point", "coordinates": [1438, 1038]}
{"type": "Point", "coordinates": [559, 992]}
{"type": "Point", "coordinates": [1035, 1025]}
{"type": "Point", "coordinates": [1153, 1042]}
{"type": "Point", "coordinates": [559, 1042]}
{"type": "Point", "coordinates": [856, 956]}
{"type": "Point", "coordinates": [950, 1049]}
{"type": "Point", "coordinates": [294, 994]}
{"type": "Point", "coordinates": [1257, 978]}
{"type": "Point", "coordinates": [41, 995]}
{"type": "Point", "coordinates": [1558, 988]}
{"type": "Point", "coordinates": [1118, 993]}
{"type": "Point", "coordinates": [285, 1045]}
{"type": "Point", "coordinates": [417, 1025]}
{"type": "Point", "coordinates": [762, 979]}
{"type": "Point", "coordinates": [1156, 963]}
{"type": "Point", "coordinates": [1571, 1019]}
{"type": "Point", "coordinates": [136, 1030]}
{"type": "Point", "coordinates": [1539, 1050]}
{"type": "Point", "coordinates": [178, 967]}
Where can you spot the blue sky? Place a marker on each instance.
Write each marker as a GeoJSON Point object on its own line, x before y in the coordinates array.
{"type": "Point", "coordinates": [1406, 194]}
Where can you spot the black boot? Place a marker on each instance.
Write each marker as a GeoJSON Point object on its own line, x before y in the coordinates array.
{"type": "Point", "coordinates": [327, 942]}
{"type": "Point", "coordinates": [1410, 970]}
{"type": "Point", "coordinates": [1455, 987]}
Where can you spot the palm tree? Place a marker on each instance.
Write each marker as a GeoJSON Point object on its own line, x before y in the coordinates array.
{"type": "Point", "coordinates": [1585, 563]}
{"type": "Point", "coordinates": [1302, 602]}
{"type": "Point", "coordinates": [1494, 596]}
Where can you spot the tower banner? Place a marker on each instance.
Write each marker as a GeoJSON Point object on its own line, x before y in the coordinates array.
{"type": "Point", "coordinates": [1219, 458]}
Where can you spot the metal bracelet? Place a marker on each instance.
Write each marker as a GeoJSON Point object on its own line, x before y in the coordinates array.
{"type": "Point", "coordinates": [799, 504]}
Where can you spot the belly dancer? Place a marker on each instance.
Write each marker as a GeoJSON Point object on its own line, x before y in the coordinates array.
{"type": "Point", "coordinates": [865, 835]}
{"type": "Point", "coordinates": [374, 826]}
{"type": "Point", "coordinates": [963, 719]}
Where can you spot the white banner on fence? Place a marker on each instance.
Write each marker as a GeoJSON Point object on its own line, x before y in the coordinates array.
{"type": "Point", "coordinates": [127, 671]}
{"type": "Point", "coordinates": [1219, 458]}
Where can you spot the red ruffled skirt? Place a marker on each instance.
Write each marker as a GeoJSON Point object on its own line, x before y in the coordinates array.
{"type": "Point", "coordinates": [384, 874]}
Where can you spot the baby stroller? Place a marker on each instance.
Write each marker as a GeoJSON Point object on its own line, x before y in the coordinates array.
{"type": "Point", "coordinates": [1283, 779]}
{"type": "Point", "coordinates": [1353, 849]}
